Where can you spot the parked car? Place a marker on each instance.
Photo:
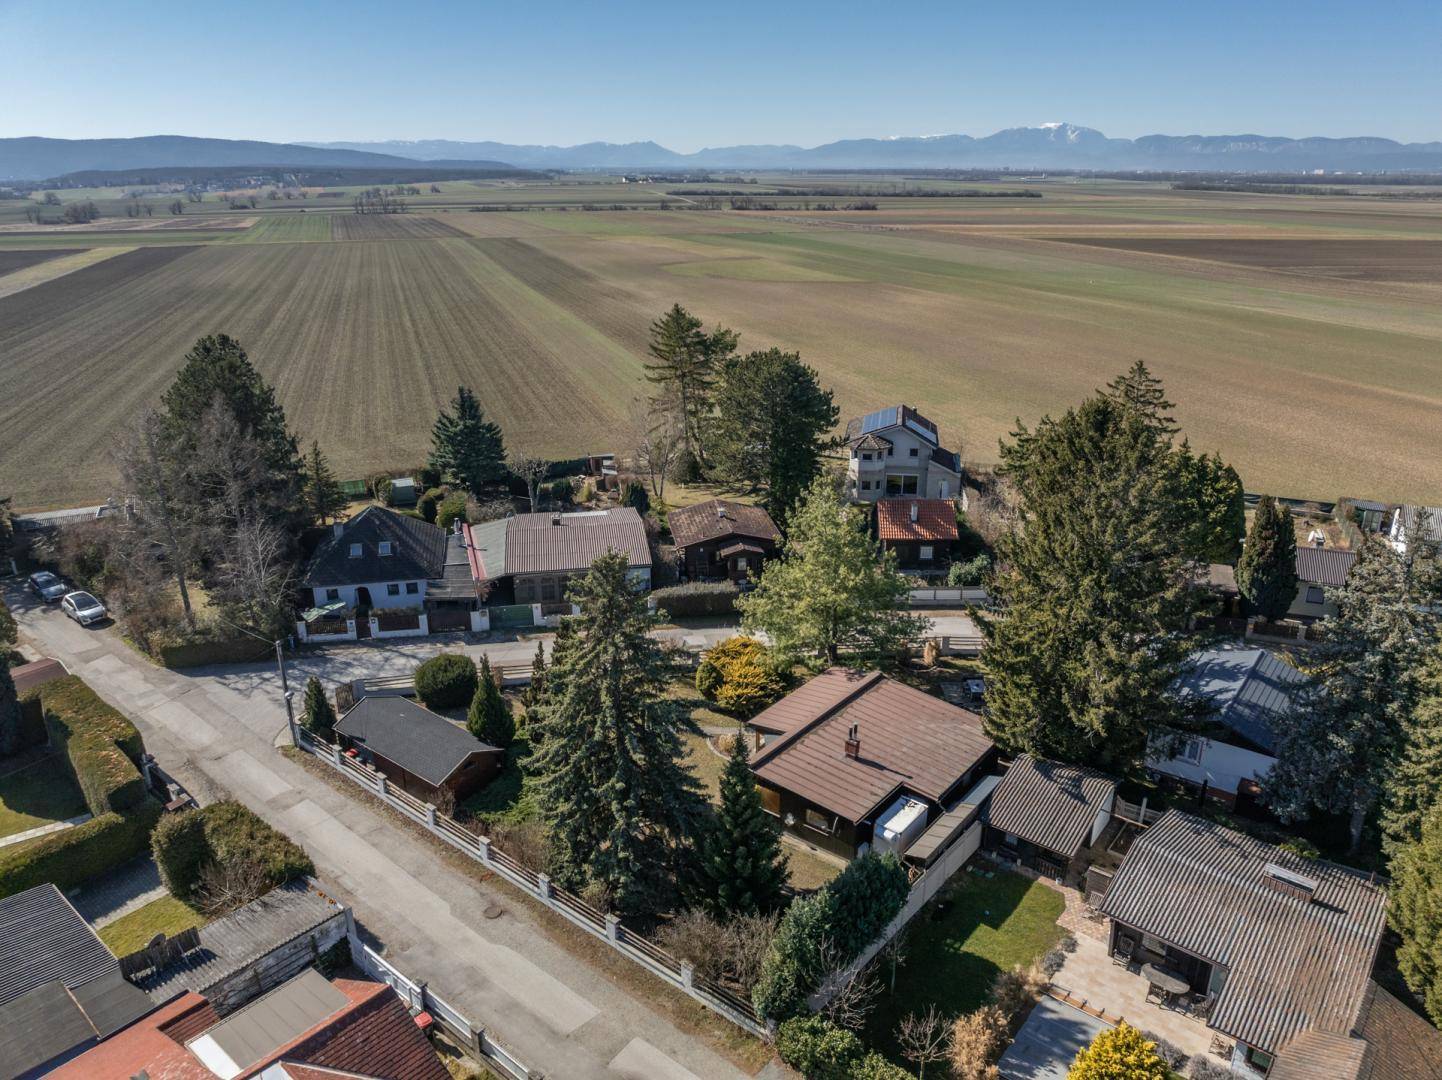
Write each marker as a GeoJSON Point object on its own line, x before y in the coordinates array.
{"type": "Point", "coordinates": [83, 608]}
{"type": "Point", "coordinates": [47, 586]}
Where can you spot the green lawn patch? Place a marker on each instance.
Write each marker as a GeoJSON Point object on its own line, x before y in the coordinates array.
{"type": "Point", "coordinates": [37, 794]}
{"type": "Point", "coordinates": [133, 932]}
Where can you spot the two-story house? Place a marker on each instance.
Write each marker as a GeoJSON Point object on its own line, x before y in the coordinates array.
{"type": "Point", "coordinates": [896, 451]}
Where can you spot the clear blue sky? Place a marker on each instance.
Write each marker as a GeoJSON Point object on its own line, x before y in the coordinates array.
{"type": "Point", "coordinates": [564, 72]}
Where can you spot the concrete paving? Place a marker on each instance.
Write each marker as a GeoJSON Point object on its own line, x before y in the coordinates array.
{"type": "Point", "coordinates": [119, 892]}
{"type": "Point", "coordinates": [215, 730]}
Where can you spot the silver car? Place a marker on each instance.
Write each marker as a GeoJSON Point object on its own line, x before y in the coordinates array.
{"type": "Point", "coordinates": [83, 608]}
{"type": "Point", "coordinates": [47, 586]}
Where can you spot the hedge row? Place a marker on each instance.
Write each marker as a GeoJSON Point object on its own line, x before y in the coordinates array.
{"type": "Point", "coordinates": [224, 832]}
{"type": "Point", "coordinates": [200, 653]}
{"type": "Point", "coordinates": [697, 598]}
{"type": "Point", "coordinates": [32, 722]}
{"type": "Point", "coordinates": [74, 856]}
{"type": "Point", "coordinates": [819, 1050]}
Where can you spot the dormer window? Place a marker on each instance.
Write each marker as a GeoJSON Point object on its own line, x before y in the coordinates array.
{"type": "Point", "coordinates": [385, 547]}
{"type": "Point", "coordinates": [355, 551]}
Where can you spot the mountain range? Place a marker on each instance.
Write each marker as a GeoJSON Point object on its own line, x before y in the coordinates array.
{"type": "Point", "coordinates": [1049, 146]}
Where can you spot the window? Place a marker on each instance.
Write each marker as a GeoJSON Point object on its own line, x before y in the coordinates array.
{"type": "Point", "coordinates": [393, 589]}
{"type": "Point", "coordinates": [1192, 750]}
{"type": "Point", "coordinates": [866, 485]}
{"type": "Point", "coordinates": [819, 821]}
{"type": "Point", "coordinates": [412, 587]}
{"type": "Point", "coordinates": [912, 452]}
{"type": "Point", "coordinates": [865, 457]}
{"type": "Point", "coordinates": [1258, 1059]}
{"type": "Point", "coordinates": [770, 800]}
{"type": "Point", "coordinates": [741, 563]}
{"type": "Point", "coordinates": [926, 553]}
{"type": "Point", "coordinates": [332, 595]}
{"type": "Point", "coordinates": [1010, 839]}
{"type": "Point", "coordinates": [355, 551]}
{"type": "Point", "coordinates": [1315, 595]}
{"type": "Point", "coordinates": [901, 485]}
{"type": "Point", "coordinates": [1154, 945]}
{"type": "Point", "coordinates": [385, 547]}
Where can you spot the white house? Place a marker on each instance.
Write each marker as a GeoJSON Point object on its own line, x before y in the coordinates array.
{"type": "Point", "coordinates": [378, 559]}
{"type": "Point", "coordinates": [896, 451]}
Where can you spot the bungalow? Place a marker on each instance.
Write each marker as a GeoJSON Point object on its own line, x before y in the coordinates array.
{"type": "Point", "coordinates": [897, 451]}
{"type": "Point", "coordinates": [855, 761]}
{"type": "Point", "coordinates": [723, 539]}
{"type": "Point", "coordinates": [919, 531]}
{"type": "Point", "coordinates": [1045, 814]}
{"type": "Point", "coordinates": [421, 753]}
{"type": "Point", "coordinates": [1318, 569]}
{"type": "Point", "coordinates": [529, 558]}
{"type": "Point", "coordinates": [1249, 691]}
{"type": "Point", "coordinates": [1275, 950]}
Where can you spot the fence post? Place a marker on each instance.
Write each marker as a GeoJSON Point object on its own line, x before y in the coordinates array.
{"type": "Point", "coordinates": [613, 928]}
{"type": "Point", "coordinates": [335, 754]}
{"type": "Point", "coordinates": [543, 886]}
{"type": "Point", "coordinates": [430, 816]}
{"type": "Point", "coordinates": [382, 785]}
{"type": "Point", "coordinates": [688, 975]}
{"type": "Point", "coordinates": [483, 844]}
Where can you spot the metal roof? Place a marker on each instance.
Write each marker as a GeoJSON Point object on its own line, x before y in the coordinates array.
{"type": "Point", "coordinates": [568, 543]}
{"type": "Point", "coordinates": [253, 1033]}
{"type": "Point", "coordinates": [1050, 804]}
{"type": "Point", "coordinates": [1407, 517]}
{"type": "Point", "coordinates": [413, 737]}
{"type": "Point", "coordinates": [418, 551]}
{"type": "Point", "coordinates": [1324, 565]}
{"type": "Point", "coordinates": [42, 939]}
{"type": "Point", "coordinates": [717, 518]}
{"type": "Point", "coordinates": [1294, 961]}
{"type": "Point", "coordinates": [488, 549]}
{"type": "Point", "coordinates": [1249, 689]}
{"type": "Point", "coordinates": [40, 1026]}
{"type": "Point", "coordinates": [940, 833]}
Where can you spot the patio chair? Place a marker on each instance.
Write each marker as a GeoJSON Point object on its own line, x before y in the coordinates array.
{"type": "Point", "coordinates": [1221, 1047]}
{"type": "Point", "coordinates": [1156, 995]}
{"type": "Point", "coordinates": [1123, 953]}
{"type": "Point", "coordinates": [1202, 1005]}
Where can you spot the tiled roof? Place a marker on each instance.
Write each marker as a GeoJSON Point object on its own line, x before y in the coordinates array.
{"type": "Point", "coordinates": [908, 739]}
{"type": "Point", "coordinates": [927, 520]}
{"type": "Point", "coordinates": [1050, 804]}
{"type": "Point", "coordinates": [42, 939]}
{"type": "Point", "coordinates": [36, 673]}
{"type": "Point", "coordinates": [1311, 1054]}
{"type": "Point", "coordinates": [1294, 961]}
{"type": "Point", "coordinates": [1324, 566]}
{"type": "Point", "coordinates": [716, 518]}
{"type": "Point", "coordinates": [418, 551]}
{"type": "Point", "coordinates": [377, 1037]}
{"type": "Point", "coordinates": [1249, 690]}
{"type": "Point", "coordinates": [566, 543]}
{"type": "Point", "coordinates": [416, 739]}
{"type": "Point", "coordinates": [1401, 1045]}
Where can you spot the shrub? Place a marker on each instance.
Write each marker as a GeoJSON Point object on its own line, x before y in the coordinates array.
{"type": "Point", "coordinates": [686, 469]}
{"type": "Point", "coordinates": [1175, 1057]}
{"type": "Point", "coordinates": [8, 630]}
{"type": "Point", "coordinates": [70, 858]}
{"type": "Point", "coordinates": [228, 835]}
{"type": "Point", "coordinates": [697, 598]}
{"type": "Point", "coordinates": [1119, 1053]}
{"type": "Point", "coordinates": [1055, 957]}
{"type": "Point", "coordinates": [817, 1048]}
{"type": "Point", "coordinates": [708, 679]}
{"type": "Point", "coordinates": [451, 509]}
{"type": "Point", "coordinates": [30, 724]}
{"type": "Point", "coordinates": [1015, 990]}
{"type": "Point", "coordinates": [560, 491]}
{"type": "Point", "coordinates": [489, 718]}
{"type": "Point", "coordinates": [746, 677]}
{"type": "Point", "coordinates": [977, 1040]}
{"type": "Point", "coordinates": [180, 850]}
{"type": "Point", "coordinates": [428, 476]}
{"type": "Point", "coordinates": [1205, 1069]}
{"type": "Point", "coordinates": [317, 714]}
{"type": "Point", "coordinates": [635, 495]}
{"type": "Point", "coordinates": [875, 1067]}
{"type": "Point", "coordinates": [429, 503]}
{"type": "Point", "coordinates": [381, 489]}
{"type": "Point", "coordinates": [100, 744]}
{"type": "Point", "coordinates": [447, 681]}
{"type": "Point", "coordinates": [968, 573]}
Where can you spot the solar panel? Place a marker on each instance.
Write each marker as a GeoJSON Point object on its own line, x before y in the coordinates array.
{"type": "Point", "coordinates": [877, 420]}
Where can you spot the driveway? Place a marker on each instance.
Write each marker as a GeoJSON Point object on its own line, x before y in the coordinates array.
{"type": "Point", "coordinates": [216, 730]}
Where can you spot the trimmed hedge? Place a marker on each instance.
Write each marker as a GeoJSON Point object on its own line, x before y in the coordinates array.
{"type": "Point", "coordinates": [447, 681]}
{"type": "Point", "coordinates": [223, 832]}
{"type": "Point", "coordinates": [180, 850]}
{"type": "Point", "coordinates": [31, 731]}
{"type": "Point", "coordinates": [697, 598]}
{"type": "Point", "coordinates": [200, 653]}
{"type": "Point", "coordinates": [74, 856]}
{"type": "Point", "coordinates": [820, 1050]}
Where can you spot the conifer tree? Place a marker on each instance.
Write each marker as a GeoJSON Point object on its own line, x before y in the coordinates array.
{"type": "Point", "coordinates": [537, 689]}
{"type": "Point", "coordinates": [742, 869]}
{"type": "Point", "coordinates": [1415, 912]}
{"type": "Point", "coordinates": [1416, 787]}
{"type": "Point", "coordinates": [489, 718]}
{"type": "Point", "coordinates": [1267, 570]}
{"type": "Point", "coordinates": [323, 495]}
{"type": "Point", "coordinates": [319, 715]}
{"type": "Point", "coordinates": [468, 448]}
{"type": "Point", "coordinates": [609, 771]}
{"type": "Point", "coordinates": [1141, 392]}
{"type": "Point", "coordinates": [683, 365]}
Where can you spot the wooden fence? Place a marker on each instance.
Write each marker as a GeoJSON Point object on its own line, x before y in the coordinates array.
{"type": "Point", "coordinates": [604, 926]}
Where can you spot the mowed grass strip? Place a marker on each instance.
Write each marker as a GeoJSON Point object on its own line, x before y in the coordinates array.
{"type": "Point", "coordinates": [135, 930]}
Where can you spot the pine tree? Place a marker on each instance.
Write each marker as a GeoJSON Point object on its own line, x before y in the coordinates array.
{"type": "Point", "coordinates": [773, 422]}
{"type": "Point", "coordinates": [1416, 787]}
{"type": "Point", "coordinates": [9, 710]}
{"type": "Point", "coordinates": [323, 495]}
{"type": "Point", "coordinates": [1213, 505]}
{"type": "Point", "coordinates": [489, 718]}
{"type": "Point", "coordinates": [683, 365]}
{"type": "Point", "coordinates": [609, 772]}
{"type": "Point", "coordinates": [536, 691]}
{"type": "Point", "coordinates": [1267, 570]}
{"type": "Point", "coordinates": [319, 715]}
{"type": "Point", "coordinates": [1415, 912]}
{"type": "Point", "coordinates": [742, 870]}
{"type": "Point", "coordinates": [833, 588]}
{"type": "Point", "coordinates": [1141, 392]}
{"type": "Point", "coordinates": [468, 448]}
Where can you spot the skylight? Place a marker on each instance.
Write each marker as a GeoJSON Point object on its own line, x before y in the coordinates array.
{"type": "Point", "coordinates": [355, 551]}
{"type": "Point", "coordinates": [385, 547]}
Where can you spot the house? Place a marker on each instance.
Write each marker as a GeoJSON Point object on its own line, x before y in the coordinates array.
{"type": "Point", "coordinates": [1045, 814]}
{"type": "Point", "coordinates": [381, 559]}
{"type": "Point", "coordinates": [919, 531]}
{"type": "Point", "coordinates": [1426, 521]}
{"type": "Point", "coordinates": [897, 451]}
{"type": "Point", "coordinates": [1277, 948]}
{"type": "Point", "coordinates": [530, 558]}
{"type": "Point", "coordinates": [421, 753]}
{"type": "Point", "coordinates": [61, 989]}
{"type": "Point", "coordinates": [853, 761]}
{"type": "Point", "coordinates": [1318, 569]}
{"type": "Point", "coordinates": [305, 1028]}
{"type": "Point", "coordinates": [723, 539]}
{"type": "Point", "coordinates": [1250, 691]}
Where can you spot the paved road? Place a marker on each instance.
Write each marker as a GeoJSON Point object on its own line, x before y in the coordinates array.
{"type": "Point", "coordinates": [215, 730]}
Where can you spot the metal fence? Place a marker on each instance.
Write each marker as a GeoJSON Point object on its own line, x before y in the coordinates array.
{"type": "Point", "coordinates": [606, 927]}
{"type": "Point", "coordinates": [943, 596]}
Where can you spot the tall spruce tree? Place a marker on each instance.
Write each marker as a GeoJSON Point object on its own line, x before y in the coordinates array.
{"type": "Point", "coordinates": [1267, 570]}
{"type": "Point", "coordinates": [609, 770]}
{"type": "Point", "coordinates": [743, 870]}
{"type": "Point", "coordinates": [683, 364]}
{"type": "Point", "coordinates": [468, 448]}
{"type": "Point", "coordinates": [1097, 587]}
{"type": "Point", "coordinates": [537, 688]}
{"type": "Point", "coordinates": [833, 589]}
{"type": "Point", "coordinates": [1213, 503]}
{"type": "Point", "coordinates": [1415, 789]}
{"type": "Point", "coordinates": [323, 495]}
{"type": "Point", "coordinates": [489, 718]}
{"type": "Point", "coordinates": [1415, 912]}
{"type": "Point", "coordinates": [318, 714]}
{"type": "Point", "coordinates": [773, 422]}
{"type": "Point", "coordinates": [9, 710]}
{"type": "Point", "coordinates": [1141, 392]}
{"type": "Point", "coordinates": [1340, 753]}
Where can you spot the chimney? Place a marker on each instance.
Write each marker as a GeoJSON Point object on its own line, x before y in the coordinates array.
{"type": "Point", "coordinates": [720, 511]}
{"type": "Point", "coordinates": [853, 742]}
{"type": "Point", "coordinates": [338, 528]}
{"type": "Point", "coordinates": [915, 509]}
{"type": "Point", "coordinates": [556, 518]}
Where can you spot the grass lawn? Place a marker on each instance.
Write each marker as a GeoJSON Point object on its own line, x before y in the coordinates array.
{"type": "Point", "coordinates": [132, 932]}
{"type": "Point", "coordinates": [682, 688]}
{"type": "Point", "coordinates": [976, 928]}
{"type": "Point", "coordinates": [808, 871]}
{"type": "Point", "coordinates": [503, 798]}
{"type": "Point", "coordinates": [37, 794]}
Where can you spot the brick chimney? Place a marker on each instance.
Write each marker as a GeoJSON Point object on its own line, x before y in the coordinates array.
{"type": "Point", "coordinates": [853, 742]}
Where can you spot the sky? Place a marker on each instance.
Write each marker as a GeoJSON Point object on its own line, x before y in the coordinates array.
{"type": "Point", "coordinates": [795, 72]}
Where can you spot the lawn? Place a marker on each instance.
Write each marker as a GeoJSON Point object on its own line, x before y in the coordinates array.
{"type": "Point", "coordinates": [503, 799]}
{"type": "Point", "coordinates": [133, 932]}
{"type": "Point", "coordinates": [977, 927]}
{"type": "Point", "coordinates": [37, 794]}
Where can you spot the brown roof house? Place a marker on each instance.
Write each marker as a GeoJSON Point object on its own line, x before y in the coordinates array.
{"type": "Point", "coordinates": [722, 539]}
{"type": "Point", "coordinates": [854, 761]}
{"type": "Point", "coordinates": [423, 754]}
{"type": "Point", "coordinates": [1045, 814]}
{"type": "Point", "coordinates": [919, 531]}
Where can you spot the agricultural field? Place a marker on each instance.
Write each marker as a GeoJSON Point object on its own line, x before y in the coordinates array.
{"type": "Point", "coordinates": [1301, 336]}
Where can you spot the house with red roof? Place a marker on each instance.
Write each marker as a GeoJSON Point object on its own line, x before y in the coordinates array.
{"type": "Point", "coordinates": [920, 532]}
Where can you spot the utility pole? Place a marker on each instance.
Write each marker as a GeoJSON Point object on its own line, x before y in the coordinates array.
{"type": "Point", "coordinates": [290, 717]}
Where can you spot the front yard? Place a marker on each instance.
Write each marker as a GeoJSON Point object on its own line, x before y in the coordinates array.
{"type": "Point", "coordinates": [37, 793]}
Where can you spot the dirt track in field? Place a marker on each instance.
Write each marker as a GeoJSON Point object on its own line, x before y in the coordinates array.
{"type": "Point", "coordinates": [1362, 260]}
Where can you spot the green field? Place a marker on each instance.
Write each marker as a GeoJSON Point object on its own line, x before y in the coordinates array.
{"type": "Point", "coordinates": [1300, 336]}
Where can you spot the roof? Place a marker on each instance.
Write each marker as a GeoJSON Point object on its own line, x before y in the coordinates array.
{"type": "Point", "coordinates": [487, 548]}
{"type": "Point", "coordinates": [741, 547]}
{"type": "Point", "coordinates": [418, 551]}
{"type": "Point", "coordinates": [237, 940]}
{"type": "Point", "coordinates": [51, 1023]}
{"type": "Point", "coordinates": [415, 738]}
{"type": "Point", "coordinates": [947, 459]}
{"type": "Point", "coordinates": [1324, 565]}
{"type": "Point", "coordinates": [891, 416]}
{"type": "Point", "coordinates": [909, 740]}
{"type": "Point", "coordinates": [252, 1034]}
{"type": "Point", "coordinates": [1311, 1053]}
{"type": "Point", "coordinates": [566, 543]}
{"type": "Point", "coordinates": [1401, 1044]}
{"type": "Point", "coordinates": [927, 520]}
{"type": "Point", "coordinates": [1048, 1042]}
{"type": "Point", "coordinates": [1050, 804]}
{"type": "Point", "coordinates": [871, 442]}
{"type": "Point", "coordinates": [153, 1045]}
{"type": "Point", "coordinates": [1249, 689]}
{"type": "Point", "coordinates": [944, 829]}
{"type": "Point", "coordinates": [43, 939]}
{"type": "Point", "coordinates": [36, 673]}
{"type": "Point", "coordinates": [456, 581]}
{"type": "Point", "coordinates": [1293, 962]}
{"type": "Point", "coordinates": [718, 518]}
{"type": "Point", "coordinates": [1407, 518]}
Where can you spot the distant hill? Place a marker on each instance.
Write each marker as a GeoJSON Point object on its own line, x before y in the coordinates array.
{"type": "Point", "coordinates": [34, 158]}
{"type": "Point", "coordinates": [1049, 146]}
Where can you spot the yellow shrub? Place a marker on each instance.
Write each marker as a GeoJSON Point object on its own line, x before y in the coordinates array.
{"type": "Point", "coordinates": [748, 681]}
{"type": "Point", "coordinates": [1119, 1053]}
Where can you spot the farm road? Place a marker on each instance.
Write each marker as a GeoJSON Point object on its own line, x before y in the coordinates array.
{"type": "Point", "coordinates": [216, 733]}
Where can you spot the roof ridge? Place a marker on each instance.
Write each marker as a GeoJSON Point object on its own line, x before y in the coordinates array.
{"type": "Point", "coordinates": [871, 679]}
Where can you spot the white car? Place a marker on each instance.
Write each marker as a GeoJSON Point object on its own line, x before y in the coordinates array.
{"type": "Point", "coordinates": [83, 608]}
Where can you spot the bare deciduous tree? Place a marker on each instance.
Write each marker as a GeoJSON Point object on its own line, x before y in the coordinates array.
{"type": "Point", "coordinates": [657, 442]}
{"type": "Point", "coordinates": [530, 471]}
{"type": "Point", "coordinates": [225, 886]}
{"type": "Point", "coordinates": [257, 578]}
{"type": "Point", "coordinates": [924, 1038]}
{"type": "Point", "coordinates": [152, 488]}
{"type": "Point", "coordinates": [853, 990]}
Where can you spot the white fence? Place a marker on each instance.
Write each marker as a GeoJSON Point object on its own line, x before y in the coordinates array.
{"type": "Point", "coordinates": [941, 597]}
{"type": "Point", "coordinates": [419, 996]}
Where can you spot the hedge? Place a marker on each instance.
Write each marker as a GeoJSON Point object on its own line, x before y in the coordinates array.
{"type": "Point", "coordinates": [223, 832]}
{"type": "Point", "coordinates": [226, 651]}
{"type": "Point", "coordinates": [32, 721]}
{"type": "Point", "coordinates": [820, 1050]}
{"type": "Point", "coordinates": [697, 598]}
{"type": "Point", "coordinates": [447, 681]}
{"type": "Point", "coordinates": [74, 856]}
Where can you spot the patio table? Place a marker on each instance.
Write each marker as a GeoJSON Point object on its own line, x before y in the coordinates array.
{"type": "Point", "coordinates": [1160, 977]}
